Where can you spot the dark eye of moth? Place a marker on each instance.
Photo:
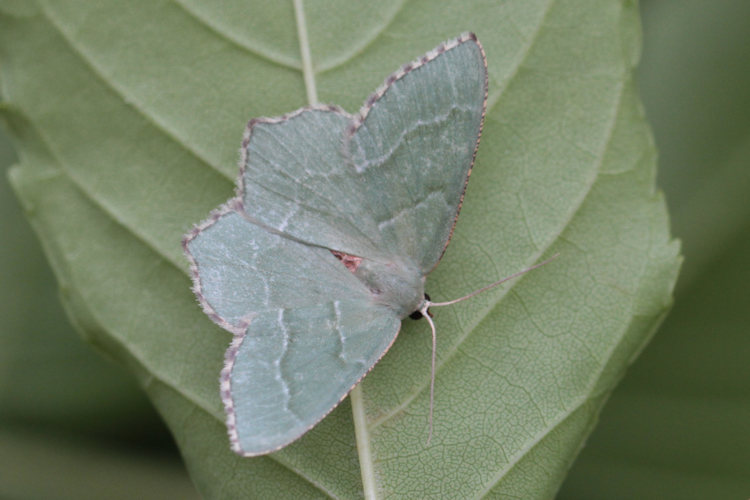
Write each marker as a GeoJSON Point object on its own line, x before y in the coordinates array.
{"type": "Point", "coordinates": [417, 314]}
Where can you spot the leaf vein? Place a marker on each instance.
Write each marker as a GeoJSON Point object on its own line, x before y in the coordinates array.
{"type": "Point", "coordinates": [523, 54]}
{"type": "Point", "coordinates": [126, 97]}
{"type": "Point", "coordinates": [481, 316]}
{"type": "Point", "coordinates": [286, 62]}
{"type": "Point", "coordinates": [111, 213]}
{"type": "Point", "coordinates": [368, 40]}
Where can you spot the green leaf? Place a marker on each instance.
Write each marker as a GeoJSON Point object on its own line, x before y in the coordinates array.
{"type": "Point", "coordinates": [128, 116]}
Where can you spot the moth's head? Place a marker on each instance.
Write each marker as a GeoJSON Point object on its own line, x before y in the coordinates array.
{"type": "Point", "coordinates": [417, 314]}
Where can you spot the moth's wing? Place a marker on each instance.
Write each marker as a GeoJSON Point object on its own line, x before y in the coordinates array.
{"type": "Point", "coordinates": [293, 366]}
{"type": "Point", "coordinates": [385, 183]}
{"type": "Point", "coordinates": [306, 329]}
{"type": "Point", "coordinates": [295, 180]}
{"type": "Point", "coordinates": [240, 269]}
{"type": "Point", "coordinates": [413, 146]}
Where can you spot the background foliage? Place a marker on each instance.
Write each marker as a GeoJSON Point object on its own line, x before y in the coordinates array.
{"type": "Point", "coordinates": [676, 428]}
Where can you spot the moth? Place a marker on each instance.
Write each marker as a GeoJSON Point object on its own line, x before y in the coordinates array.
{"type": "Point", "coordinates": [336, 222]}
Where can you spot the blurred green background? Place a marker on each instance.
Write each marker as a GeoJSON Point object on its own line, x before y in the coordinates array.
{"type": "Point", "coordinates": [74, 425]}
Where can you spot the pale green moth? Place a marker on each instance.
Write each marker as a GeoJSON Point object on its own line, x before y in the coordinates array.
{"type": "Point", "coordinates": [324, 250]}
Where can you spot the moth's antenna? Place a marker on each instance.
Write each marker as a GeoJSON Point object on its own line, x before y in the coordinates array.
{"type": "Point", "coordinates": [425, 313]}
{"type": "Point", "coordinates": [493, 285]}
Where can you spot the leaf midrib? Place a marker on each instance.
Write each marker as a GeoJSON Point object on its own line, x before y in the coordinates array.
{"type": "Point", "coordinates": [288, 62]}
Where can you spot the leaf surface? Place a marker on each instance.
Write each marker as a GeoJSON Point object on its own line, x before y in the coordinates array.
{"type": "Point", "coordinates": [128, 117]}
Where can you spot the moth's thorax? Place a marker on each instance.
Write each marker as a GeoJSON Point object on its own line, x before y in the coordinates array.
{"type": "Point", "coordinates": [396, 285]}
